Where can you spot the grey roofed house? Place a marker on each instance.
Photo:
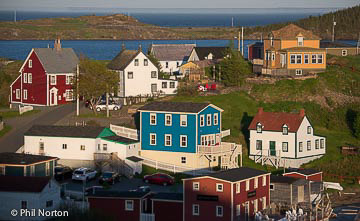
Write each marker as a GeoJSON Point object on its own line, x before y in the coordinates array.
{"type": "Point", "coordinates": [202, 53]}
{"type": "Point", "coordinates": [23, 159]}
{"type": "Point", "coordinates": [57, 61]}
{"type": "Point", "coordinates": [335, 44]}
{"type": "Point", "coordinates": [64, 131]}
{"type": "Point", "coordinates": [237, 174]}
{"type": "Point", "coordinates": [123, 59]}
{"type": "Point", "coordinates": [186, 107]}
{"type": "Point", "coordinates": [30, 184]}
{"type": "Point", "coordinates": [171, 52]}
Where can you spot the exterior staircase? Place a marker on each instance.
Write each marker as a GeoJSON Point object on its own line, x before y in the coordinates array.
{"type": "Point", "coordinates": [271, 158]}
{"type": "Point", "coordinates": [114, 162]}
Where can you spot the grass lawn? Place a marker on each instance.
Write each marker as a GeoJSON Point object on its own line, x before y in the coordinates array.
{"type": "Point", "coordinates": [10, 114]}
{"type": "Point", "coordinates": [6, 129]}
{"type": "Point", "coordinates": [147, 170]}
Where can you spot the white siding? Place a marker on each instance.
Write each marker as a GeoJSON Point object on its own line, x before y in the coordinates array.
{"type": "Point", "coordinates": [172, 66]}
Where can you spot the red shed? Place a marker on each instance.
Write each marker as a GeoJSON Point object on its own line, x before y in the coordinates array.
{"type": "Point", "coordinates": [228, 195]}
{"type": "Point", "coordinates": [45, 77]}
{"type": "Point", "coordinates": [165, 205]}
{"type": "Point", "coordinates": [308, 174]}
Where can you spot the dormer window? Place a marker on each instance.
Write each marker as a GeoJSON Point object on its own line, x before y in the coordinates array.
{"type": "Point", "coordinates": [285, 130]}
{"type": "Point", "coordinates": [259, 128]}
{"type": "Point", "coordinates": [300, 41]}
{"type": "Point", "coordinates": [272, 41]}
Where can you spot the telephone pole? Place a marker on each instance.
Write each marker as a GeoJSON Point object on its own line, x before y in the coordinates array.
{"type": "Point", "coordinates": [333, 29]}
{"type": "Point", "coordinates": [15, 16]}
{"type": "Point", "coordinates": [242, 40]}
{"type": "Point", "coordinates": [77, 91]}
{"type": "Point", "coordinates": [239, 42]}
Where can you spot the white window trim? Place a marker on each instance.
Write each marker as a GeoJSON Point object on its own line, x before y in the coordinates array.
{"type": "Point", "coordinates": [344, 52]}
{"type": "Point", "coordinates": [168, 135]}
{"type": "Point", "coordinates": [216, 119]}
{"type": "Point", "coordinates": [183, 118]}
{"type": "Point", "coordinates": [256, 182]}
{"type": "Point", "coordinates": [2, 170]}
{"type": "Point", "coordinates": [152, 134]}
{"type": "Point", "coordinates": [52, 77]}
{"type": "Point", "coordinates": [25, 77]}
{"type": "Point", "coordinates": [238, 209]}
{"type": "Point", "coordinates": [308, 59]}
{"type": "Point", "coordinates": [168, 115]}
{"type": "Point", "coordinates": [217, 211]}
{"type": "Point", "coordinates": [69, 92]}
{"type": "Point", "coordinates": [132, 205]}
{"type": "Point", "coordinates": [247, 185]}
{"type": "Point", "coordinates": [193, 209]}
{"type": "Point", "coordinates": [198, 186]}
{"type": "Point", "coordinates": [182, 159]}
{"type": "Point", "coordinates": [238, 187]}
{"type": "Point", "coordinates": [217, 187]}
{"type": "Point", "coordinates": [25, 94]}
{"type": "Point", "coordinates": [17, 93]}
{"type": "Point", "coordinates": [273, 187]}
{"type": "Point", "coordinates": [29, 78]}
{"type": "Point", "coordinates": [317, 58]}
{"type": "Point", "coordinates": [151, 115]}
{"type": "Point", "coordinates": [30, 63]}
{"type": "Point", "coordinates": [181, 145]}
{"type": "Point", "coordinates": [298, 72]}
{"type": "Point", "coordinates": [208, 117]}
{"type": "Point", "coordinates": [202, 120]}
{"type": "Point", "coordinates": [264, 180]}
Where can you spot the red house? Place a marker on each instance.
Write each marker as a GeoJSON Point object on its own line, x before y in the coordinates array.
{"type": "Point", "coordinates": [45, 77]}
{"type": "Point", "coordinates": [308, 174]}
{"type": "Point", "coordinates": [234, 194]}
{"type": "Point", "coordinates": [165, 205]}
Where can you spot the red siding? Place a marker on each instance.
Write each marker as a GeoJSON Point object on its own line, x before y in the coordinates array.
{"type": "Point", "coordinates": [250, 52]}
{"type": "Point", "coordinates": [16, 85]}
{"type": "Point", "coordinates": [115, 208]}
{"type": "Point", "coordinates": [165, 209]}
{"type": "Point", "coordinates": [315, 177]}
{"type": "Point", "coordinates": [62, 87]}
{"type": "Point", "coordinates": [207, 208]}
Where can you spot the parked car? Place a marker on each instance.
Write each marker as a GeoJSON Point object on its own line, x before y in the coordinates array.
{"type": "Point", "coordinates": [83, 174]}
{"type": "Point", "coordinates": [112, 106]}
{"type": "Point", "coordinates": [159, 178]}
{"type": "Point", "coordinates": [109, 177]}
{"type": "Point", "coordinates": [144, 189]}
{"type": "Point", "coordinates": [62, 172]}
{"type": "Point", "coordinates": [93, 189]}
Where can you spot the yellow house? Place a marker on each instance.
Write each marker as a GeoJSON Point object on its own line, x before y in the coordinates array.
{"type": "Point", "coordinates": [293, 51]}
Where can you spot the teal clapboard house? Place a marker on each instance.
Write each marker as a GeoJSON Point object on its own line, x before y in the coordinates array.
{"type": "Point", "coordinates": [179, 132]}
{"type": "Point", "coordinates": [19, 164]}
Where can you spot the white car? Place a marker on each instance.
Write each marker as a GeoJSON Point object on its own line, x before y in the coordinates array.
{"type": "Point", "coordinates": [83, 174]}
{"type": "Point", "coordinates": [112, 106]}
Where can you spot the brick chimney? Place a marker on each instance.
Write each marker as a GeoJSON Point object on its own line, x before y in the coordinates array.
{"type": "Point", "coordinates": [57, 44]}
{"type": "Point", "coordinates": [302, 112]}
{"type": "Point", "coordinates": [260, 110]}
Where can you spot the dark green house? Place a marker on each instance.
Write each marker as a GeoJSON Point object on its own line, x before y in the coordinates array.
{"type": "Point", "coordinates": [19, 164]}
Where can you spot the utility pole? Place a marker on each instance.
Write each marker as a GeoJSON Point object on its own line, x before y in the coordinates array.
{"type": "Point", "coordinates": [232, 22]}
{"type": "Point", "coordinates": [242, 40]}
{"type": "Point", "coordinates": [107, 104]}
{"type": "Point", "coordinates": [239, 42]}
{"type": "Point", "coordinates": [15, 16]}
{"type": "Point", "coordinates": [77, 91]}
{"type": "Point", "coordinates": [333, 29]}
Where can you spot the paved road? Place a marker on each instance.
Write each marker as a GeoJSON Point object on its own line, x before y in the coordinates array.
{"type": "Point", "coordinates": [13, 140]}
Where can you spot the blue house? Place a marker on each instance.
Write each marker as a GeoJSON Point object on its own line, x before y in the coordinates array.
{"type": "Point", "coordinates": [185, 134]}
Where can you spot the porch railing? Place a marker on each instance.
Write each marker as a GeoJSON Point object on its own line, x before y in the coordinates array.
{"type": "Point", "coordinates": [224, 147]}
{"type": "Point", "coordinates": [147, 217]}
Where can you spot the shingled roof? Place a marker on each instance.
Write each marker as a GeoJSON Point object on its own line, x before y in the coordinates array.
{"type": "Point", "coordinates": [120, 139]}
{"type": "Point", "coordinates": [186, 107]}
{"type": "Point", "coordinates": [63, 60]}
{"type": "Point", "coordinates": [23, 159]}
{"type": "Point", "coordinates": [122, 60]}
{"type": "Point", "coordinates": [291, 31]}
{"type": "Point", "coordinates": [217, 52]}
{"type": "Point", "coordinates": [28, 184]}
{"type": "Point", "coordinates": [237, 174]}
{"type": "Point", "coordinates": [64, 131]}
{"type": "Point", "coordinates": [171, 52]}
{"type": "Point", "coordinates": [274, 121]}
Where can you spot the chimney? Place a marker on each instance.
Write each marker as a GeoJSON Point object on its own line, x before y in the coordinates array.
{"type": "Point", "coordinates": [140, 49]}
{"type": "Point", "coordinates": [302, 112]}
{"type": "Point", "coordinates": [123, 46]}
{"type": "Point", "coordinates": [57, 44]}
{"type": "Point", "coordinates": [260, 110]}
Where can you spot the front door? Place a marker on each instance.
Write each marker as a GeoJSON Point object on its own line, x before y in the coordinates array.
{"type": "Point", "coordinates": [53, 96]}
{"type": "Point", "coordinates": [272, 148]}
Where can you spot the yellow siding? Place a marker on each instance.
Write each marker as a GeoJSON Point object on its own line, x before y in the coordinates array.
{"type": "Point", "coordinates": [305, 66]}
{"type": "Point", "coordinates": [293, 43]}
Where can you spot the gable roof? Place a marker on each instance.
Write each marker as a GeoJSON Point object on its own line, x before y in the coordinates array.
{"type": "Point", "coordinates": [217, 52]}
{"type": "Point", "coordinates": [123, 59]}
{"type": "Point", "coordinates": [335, 44]}
{"type": "Point", "coordinates": [168, 196]}
{"type": "Point", "coordinates": [64, 131]}
{"type": "Point", "coordinates": [291, 31]}
{"type": "Point", "coordinates": [283, 179]}
{"type": "Point", "coordinates": [56, 61]}
{"type": "Point", "coordinates": [302, 49]}
{"type": "Point", "coordinates": [171, 52]}
{"type": "Point", "coordinates": [23, 159]}
{"type": "Point", "coordinates": [120, 139]}
{"type": "Point", "coordinates": [274, 121]}
{"type": "Point", "coordinates": [305, 172]}
{"type": "Point", "coordinates": [182, 107]}
{"type": "Point", "coordinates": [30, 184]}
{"type": "Point", "coordinates": [118, 194]}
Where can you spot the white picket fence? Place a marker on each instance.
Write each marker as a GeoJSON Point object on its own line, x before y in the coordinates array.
{"type": "Point", "coordinates": [124, 131]}
{"type": "Point", "coordinates": [23, 109]}
{"type": "Point", "coordinates": [147, 217]}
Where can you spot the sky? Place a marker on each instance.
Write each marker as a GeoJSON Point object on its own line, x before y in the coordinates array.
{"type": "Point", "coordinates": [89, 4]}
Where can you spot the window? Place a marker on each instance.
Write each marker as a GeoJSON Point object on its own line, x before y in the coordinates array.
{"type": "Point", "coordinates": [216, 119]}
{"type": "Point", "coordinates": [292, 59]}
{"type": "Point", "coordinates": [255, 205]}
{"type": "Point", "coordinates": [285, 130]}
{"type": "Point", "coordinates": [317, 144]}
{"type": "Point", "coordinates": [264, 180]}
{"type": "Point", "coordinates": [238, 209]}
{"type": "Point", "coordinates": [272, 187]}
{"type": "Point", "coordinates": [168, 119]}
{"type": "Point", "coordinates": [313, 58]}
{"type": "Point", "coordinates": [172, 84]}
{"type": "Point", "coordinates": [68, 79]}
{"type": "Point", "coordinates": [298, 72]}
{"type": "Point", "coordinates": [195, 209]}
{"type": "Point", "coordinates": [344, 53]}
{"type": "Point", "coordinates": [177, 64]}
{"type": "Point", "coordinates": [196, 186]}
{"type": "Point", "coordinates": [25, 94]}
{"type": "Point", "coordinates": [164, 85]}
{"type": "Point", "coordinates": [258, 144]}
{"type": "Point", "coordinates": [309, 130]}
{"type": "Point", "coordinates": [104, 147]}
{"type": "Point", "coordinates": [153, 119]}
{"type": "Point", "coordinates": [30, 63]}
{"type": "Point", "coordinates": [69, 96]}
{"type": "Point", "coordinates": [298, 58]}
{"type": "Point", "coordinates": [152, 139]}
{"type": "Point", "coordinates": [300, 146]}
{"type": "Point", "coordinates": [300, 41]}
{"type": "Point", "coordinates": [136, 62]}
{"type": "Point", "coordinates": [259, 128]}
{"type": "Point", "coordinates": [183, 120]}
{"type": "Point", "coordinates": [129, 205]}
{"type": "Point", "coordinates": [319, 58]}
{"type": "Point", "coordinates": [183, 141]}
{"type": "Point", "coordinates": [273, 56]}
{"type": "Point", "coordinates": [271, 41]}
{"type": "Point", "coordinates": [53, 80]}
{"type": "Point", "coordinates": [153, 88]}
{"type": "Point", "coordinates": [285, 146]}
{"type": "Point", "coordinates": [219, 211]}
{"type": "Point", "coordinates": [264, 202]}
{"type": "Point", "coordinates": [208, 119]}
{"type": "Point", "coordinates": [322, 143]}
{"type": "Point", "coordinates": [23, 204]}
{"type": "Point", "coordinates": [183, 159]}
{"type": "Point", "coordinates": [64, 146]}
{"type": "Point", "coordinates": [247, 185]}
{"type": "Point", "coordinates": [41, 146]}
{"type": "Point", "coordinates": [153, 74]}
{"type": "Point", "coordinates": [255, 183]}
{"type": "Point", "coordinates": [25, 77]}
{"type": "Point", "coordinates": [168, 140]}
{"type": "Point", "coordinates": [146, 62]}
{"type": "Point", "coordinates": [99, 147]}
{"type": "Point", "coordinates": [306, 59]}
{"type": "Point", "coordinates": [237, 187]}
{"type": "Point", "coordinates": [219, 187]}
{"type": "Point", "coordinates": [202, 123]}
{"type": "Point", "coordinates": [309, 145]}
{"type": "Point", "coordinates": [82, 147]}
{"type": "Point", "coordinates": [167, 65]}
{"type": "Point", "coordinates": [130, 75]}
{"type": "Point", "coordinates": [2, 170]}
{"type": "Point", "coordinates": [17, 93]}
{"type": "Point", "coordinates": [49, 203]}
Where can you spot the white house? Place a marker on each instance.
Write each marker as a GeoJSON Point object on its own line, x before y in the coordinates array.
{"type": "Point", "coordinates": [171, 56]}
{"type": "Point", "coordinates": [78, 146]}
{"type": "Point", "coordinates": [28, 196]}
{"type": "Point", "coordinates": [139, 76]}
{"type": "Point", "coordinates": [284, 139]}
